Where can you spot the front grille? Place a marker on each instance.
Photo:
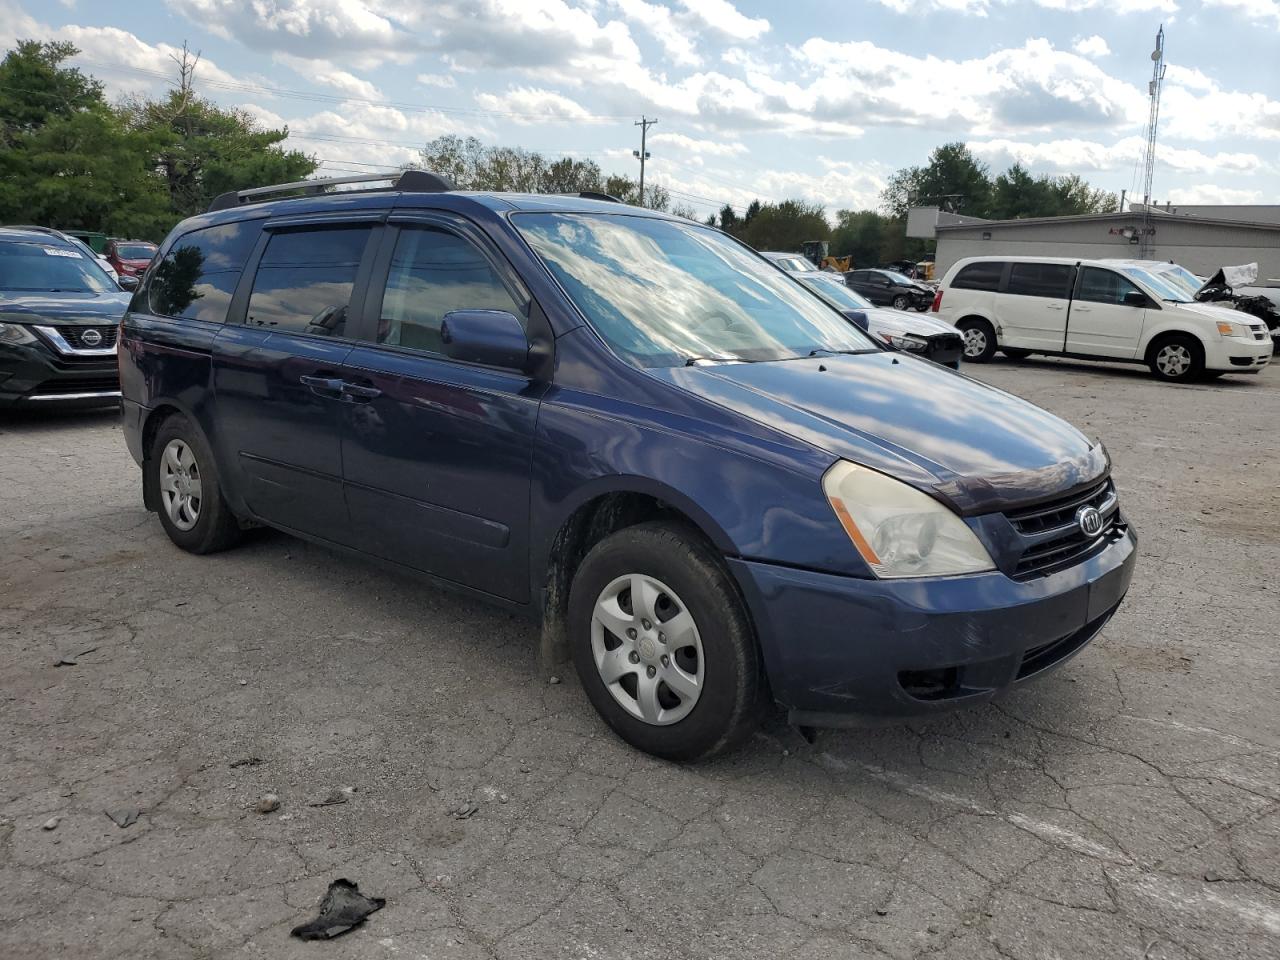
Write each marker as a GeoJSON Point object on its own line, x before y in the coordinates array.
{"type": "Point", "coordinates": [75, 337]}
{"type": "Point", "coordinates": [77, 385]}
{"type": "Point", "coordinates": [1054, 539]}
{"type": "Point", "coordinates": [1260, 333]}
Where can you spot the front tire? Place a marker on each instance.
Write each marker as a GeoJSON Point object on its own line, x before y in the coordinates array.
{"type": "Point", "coordinates": [662, 643]}
{"type": "Point", "coordinates": [900, 302]}
{"type": "Point", "coordinates": [979, 339]}
{"type": "Point", "coordinates": [1177, 359]}
{"type": "Point", "coordinates": [192, 509]}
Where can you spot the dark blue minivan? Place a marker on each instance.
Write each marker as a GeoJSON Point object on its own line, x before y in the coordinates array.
{"type": "Point", "coordinates": [698, 475]}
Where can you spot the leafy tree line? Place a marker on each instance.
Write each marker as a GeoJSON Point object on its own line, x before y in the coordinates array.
{"type": "Point", "coordinates": [474, 165]}
{"type": "Point", "coordinates": [953, 179]}
{"type": "Point", "coordinates": [70, 159]}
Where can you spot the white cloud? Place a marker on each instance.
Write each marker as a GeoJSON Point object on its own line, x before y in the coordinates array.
{"type": "Point", "coordinates": [353, 29]}
{"type": "Point", "coordinates": [1259, 11]}
{"type": "Point", "coordinates": [674, 36]}
{"type": "Point", "coordinates": [1211, 193]}
{"type": "Point", "coordinates": [1093, 46]}
{"type": "Point", "coordinates": [1080, 156]}
{"type": "Point", "coordinates": [443, 80]}
{"type": "Point", "coordinates": [692, 145]}
{"type": "Point", "coordinates": [981, 8]}
{"type": "Point", "coordinates": [322, 72]}
{"type": "Point", "coordinates": [721, 16]}
{"type": "Point", "coordinates": [533, 105]}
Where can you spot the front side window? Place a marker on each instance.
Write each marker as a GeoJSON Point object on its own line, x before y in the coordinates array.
{"type": "Point", "coordinates": [1103, 286]}
{"type": "Point", "coordinates": [199, 273]}
{"type": "Point", "coordinates": [664, 293]}
{"type": "Point", "coordinates": [1040, 280]}
{"type": "Point", "coordinates": [434, 272]}
{"type": "Point", "coordinates": [49, 268]}
{"type": "Point", "coordinates": [979, 276]}
{"type": "Point", "coordinates": [305, 278]}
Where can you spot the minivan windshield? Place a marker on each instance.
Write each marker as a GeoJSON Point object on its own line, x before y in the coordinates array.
{"type": "Point", "coordinates": [1163, 287]}
{"type": "Point", "coordinates": [46, 268]}
{"type": "Point", "coordinates": [664, 293]}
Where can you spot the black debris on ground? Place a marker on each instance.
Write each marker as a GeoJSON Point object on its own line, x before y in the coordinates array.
{"type": "Point", "coordinates": [343, 908]}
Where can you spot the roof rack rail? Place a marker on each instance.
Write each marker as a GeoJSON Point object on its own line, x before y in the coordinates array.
{"type": "Point", "coordinates": [408, 181]}
{"type": "Point", "coordinates": [595, 195]}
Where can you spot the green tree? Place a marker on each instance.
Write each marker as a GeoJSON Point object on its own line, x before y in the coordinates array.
{"type": "Point", "coordinates": [953, 179]}
{"type": "Point", "coordinates": [201, 150]}
{"type": "Point", "coordinates": [785, 225]}
{"type": "Point", "coordinates": [67, 159]}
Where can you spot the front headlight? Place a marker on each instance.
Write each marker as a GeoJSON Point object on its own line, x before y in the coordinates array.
{"type": "Point", "coordinates": [907, 341]}
{"type": "Point", "coordinates": [899, 531]}
{"type": "Point", "coordinates": [1229, 328]}
{"type": "Point", "coordinates": [12, 334]}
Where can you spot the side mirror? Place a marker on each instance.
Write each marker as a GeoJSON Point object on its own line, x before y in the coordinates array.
{"type": "Point", "coordinates": [494, 338]}
{"type": "Point", "coordinates": [128, 283]}
{"type": "Point", "coordinates": [1135, 298]}
{"type": "Point", "coordinates": [857, 317]}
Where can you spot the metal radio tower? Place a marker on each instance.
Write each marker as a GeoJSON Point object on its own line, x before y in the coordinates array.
{"type": "Point", "coordinates": [1148, 173]}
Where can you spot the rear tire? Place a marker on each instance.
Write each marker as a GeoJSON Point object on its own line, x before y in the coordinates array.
{"type": "Point", "coordinates": [688, 626]}
{"type": "Point", "coordinates": [979, 339]}
{"type": "Point", "coordinates": [1015, 354]}
{"type": "Point", "coordinates": [1178, 358]}
{"type": "Point", "coordinates": [191, 507]}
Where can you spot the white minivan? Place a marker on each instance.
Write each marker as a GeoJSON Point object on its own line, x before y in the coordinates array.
{"type": "Point", "coordinates": [1096, 310]}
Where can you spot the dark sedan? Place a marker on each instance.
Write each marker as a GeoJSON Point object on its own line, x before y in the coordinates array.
{"type": "Point", "coordinates": [886, 288]}
{"type": "Point", "coordinates": [59, 316]}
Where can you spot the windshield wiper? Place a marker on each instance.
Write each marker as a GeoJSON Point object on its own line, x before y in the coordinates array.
{"type": "Point", "coordinates": [694, 361]}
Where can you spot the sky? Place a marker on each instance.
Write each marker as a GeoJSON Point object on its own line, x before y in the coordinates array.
{"type": "Point", "coordinates": [821, 101]}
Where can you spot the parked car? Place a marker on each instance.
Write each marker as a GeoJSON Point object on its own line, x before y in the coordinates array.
{"type": "Point", "coordinates": [889, 289]}
{"type": "Point", "coordinates": [803, 267]}
{"type": "Point", "coordinates": [129, 258]}
{"type": "Point", "coordinates": [97, 259]}
{"type": "Point", "coordinates": [700, 477]}
{"type": "Point", "coordinates": [1096, 310]}
{"type": "Point", "coordinates": [59, 314]}
{"type": "Point", "coordinates": [918, 334]}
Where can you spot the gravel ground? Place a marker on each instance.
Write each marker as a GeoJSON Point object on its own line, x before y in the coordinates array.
{"type": "Point", "coordinates": [1126, 806]}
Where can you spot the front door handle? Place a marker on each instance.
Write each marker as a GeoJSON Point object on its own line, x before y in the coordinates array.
{"type": "Point", "coordinates": [323, 386]}
{"type": "Point", "coordinates": [357, 393]}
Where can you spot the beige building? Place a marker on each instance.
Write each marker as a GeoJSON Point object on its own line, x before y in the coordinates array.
{"type": "Point", "coordinates": [1199, 238]}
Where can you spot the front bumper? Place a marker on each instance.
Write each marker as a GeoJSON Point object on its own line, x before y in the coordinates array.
{"type": "Point", "coordinates": [37, 375]}
{"type": "Point", "coordinates": [1239, 355]}
{"type": "Point", "coordinates": [836, 646]}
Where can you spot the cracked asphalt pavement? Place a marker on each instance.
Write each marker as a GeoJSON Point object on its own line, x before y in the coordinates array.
{"type": "Point", "coordinates": [1127, 806]}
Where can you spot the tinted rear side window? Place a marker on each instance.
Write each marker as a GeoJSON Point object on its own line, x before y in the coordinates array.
{"type": "Point", "coordinates": [198, 275]}
{"type": "Point", "coordinates": [979, 276]}
{"type": "Point", "coordinates": [304, 280]}
{"type": "Point", "coordinates": [1040, 280]}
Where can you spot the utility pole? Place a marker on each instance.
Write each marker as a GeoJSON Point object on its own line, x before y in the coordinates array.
{"type": "Point", "coordinates": [644, 123]}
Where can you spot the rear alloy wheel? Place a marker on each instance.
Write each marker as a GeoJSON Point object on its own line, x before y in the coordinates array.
{"type": "Point", "coordinates": [192, 510]}
{"type": "Point", "coordinates": [662, 643]}
{"type": "Point", "coordinates": [979, 339]}
{"type": "Point", "coordinates": [1178, 359]}
{"type": "Point", "coordinates": [901, 302]}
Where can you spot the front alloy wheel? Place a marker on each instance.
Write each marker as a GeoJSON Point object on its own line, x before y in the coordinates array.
{"type": "Point", "coordinates": [1180, 359]}
{"type": "Point", "coordinates": [647, 649]}
{"type": "Point", "coordinates": [1173, 360]}
{"type": "Point", "coordinates": [900, 302]}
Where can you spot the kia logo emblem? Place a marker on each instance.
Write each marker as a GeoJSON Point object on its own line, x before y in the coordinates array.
{"type": "Point", "coordinates": [91, 338]}
{"type": "Point", "coordinates": [1089, 520]}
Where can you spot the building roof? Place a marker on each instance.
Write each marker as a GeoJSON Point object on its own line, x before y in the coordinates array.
{"type": "Point", "coordinates": [1127, 218]}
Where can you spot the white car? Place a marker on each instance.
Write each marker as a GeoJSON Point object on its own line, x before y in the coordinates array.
{"type": "Point", "coordinates": [800, 265]}
{"type": "Point", "coordinates": [1096, 310]}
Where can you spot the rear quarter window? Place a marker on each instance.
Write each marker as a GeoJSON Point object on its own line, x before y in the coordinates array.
{"type": "Point", "coordinates": [199, 273]}
{"type": "Point", "coordinates": [1040, 280]}
{"type": "Point", "coordinates": [979, 276]}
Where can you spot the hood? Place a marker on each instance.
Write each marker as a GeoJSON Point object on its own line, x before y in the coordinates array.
{"type": "Point", "coordinates": [68, 307]}
{"type": "Point", "coordinates": [1211, 311]}
{"type": "Point", "coordinates": [979, 447]}
{"type": "Point", "coordinates": [900, 321]}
